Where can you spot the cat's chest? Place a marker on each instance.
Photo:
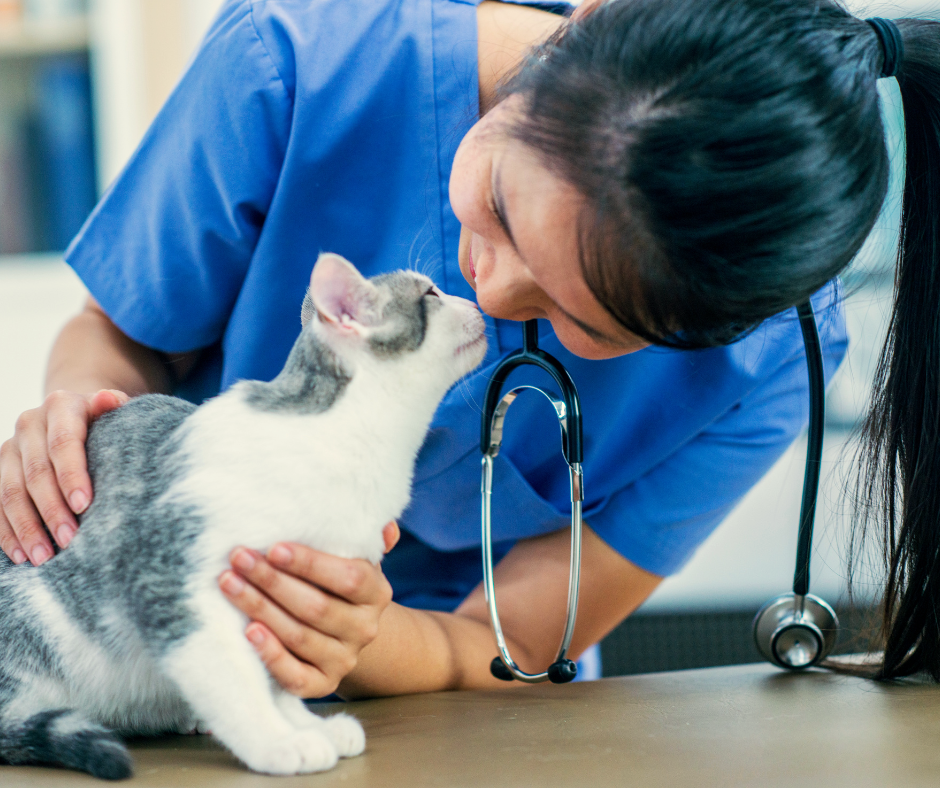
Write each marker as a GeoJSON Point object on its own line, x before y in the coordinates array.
{"type": "Point", "coordinates": [258, 478]}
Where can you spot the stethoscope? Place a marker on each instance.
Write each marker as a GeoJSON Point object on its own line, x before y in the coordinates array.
{"type": "Point", "coordinates": [794, 631]}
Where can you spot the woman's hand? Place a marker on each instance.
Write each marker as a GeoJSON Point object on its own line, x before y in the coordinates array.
{"type": "Point", "coordinates": [44, 473]}
{"type": "Point", "coordinates": [311, 613]}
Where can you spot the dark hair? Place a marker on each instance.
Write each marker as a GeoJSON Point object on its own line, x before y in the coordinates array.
{"type": "Point", "coordinates": [733, 160]}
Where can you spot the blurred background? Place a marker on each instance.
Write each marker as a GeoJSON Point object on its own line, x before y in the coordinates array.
{"type": "Point", "coordinates": [81, 80]}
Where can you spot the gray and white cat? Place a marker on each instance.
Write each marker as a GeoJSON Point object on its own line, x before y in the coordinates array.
{"type": "Point", "coordinates": [126, 631]}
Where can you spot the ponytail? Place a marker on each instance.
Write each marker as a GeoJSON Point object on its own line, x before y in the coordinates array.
{"type": "Point", "coordinates": [900, 473]}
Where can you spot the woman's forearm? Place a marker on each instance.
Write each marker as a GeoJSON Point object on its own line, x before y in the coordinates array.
{"type": "Point", "coordinates": [91, 354]}
{"type": "Point", "coordinates": [424, 651]}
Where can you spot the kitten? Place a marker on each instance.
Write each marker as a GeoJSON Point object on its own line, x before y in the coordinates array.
{"type": "Point", "coordinates": [126, 631]}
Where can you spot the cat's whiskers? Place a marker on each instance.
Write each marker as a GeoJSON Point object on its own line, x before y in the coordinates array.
{"type": "Point", "coordinates": [427, 267]}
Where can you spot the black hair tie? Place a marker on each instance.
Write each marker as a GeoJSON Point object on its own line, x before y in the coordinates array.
{"type": "Point", "coordinates": [892, 45]}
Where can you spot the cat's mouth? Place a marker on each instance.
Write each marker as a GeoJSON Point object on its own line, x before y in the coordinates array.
{"type": "Point", "coordinates": [472, 344]}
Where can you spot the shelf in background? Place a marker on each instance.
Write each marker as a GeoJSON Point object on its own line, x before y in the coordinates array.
{"type": "Point", "coordinates": [27, 39]}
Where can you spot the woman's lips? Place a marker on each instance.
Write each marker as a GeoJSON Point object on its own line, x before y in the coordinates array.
{"type": "Point", "coordinates": [473, 271]}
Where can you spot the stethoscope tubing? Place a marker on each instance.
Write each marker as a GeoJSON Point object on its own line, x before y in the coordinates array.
{"type": "Point", "coordinates": [814, 446]}
{"type": "Point", "coordinates": [568, 410]}
{"type": "Point", "coordinates": [489, 587]}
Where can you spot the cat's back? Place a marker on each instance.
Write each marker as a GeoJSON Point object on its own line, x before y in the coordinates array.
{"type": "Point", "coordinates": [130, 448]}
{"type": "Point", "coordinates": [133, 459]}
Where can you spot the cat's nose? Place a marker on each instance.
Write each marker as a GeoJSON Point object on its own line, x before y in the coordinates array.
{"type": "Point", "coordinates": [464, 302]}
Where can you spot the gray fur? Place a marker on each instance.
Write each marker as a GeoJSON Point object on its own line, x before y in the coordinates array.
{"type": "Point", "coordinates": [125, 567]}
{"type": "Point", "coordinates": [312, 380]}
{"type": "Point", "coordinates": [91, 749]}
{"type": "Point", "coordinates": [405, 316]}
{"type": "Point", "coordinates": [120, 589]}
{"type": "Point", "coordinates": [132, 459]}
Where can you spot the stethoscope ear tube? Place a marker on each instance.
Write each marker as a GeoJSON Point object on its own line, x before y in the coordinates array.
{"type": "Point", "coordinates": [504, 667]}
{"type": "Point", "coordinates": [568, 411]}
{"type": "Point", "coordinates": [530, 353]}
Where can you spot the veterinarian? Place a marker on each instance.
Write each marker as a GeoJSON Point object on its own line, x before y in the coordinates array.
{"type": "Point", "coordinates": [676, 173]}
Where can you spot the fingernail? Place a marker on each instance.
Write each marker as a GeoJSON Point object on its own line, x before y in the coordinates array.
{"type": "Point", "coordinates": [78, 501]}
{"type": "Point", "coordinates": [280, 555]}
{"type": "Point", "coordinates": [255, 635]}
{"type": "Point", "coordinates": [19, 557]}
{"type": "Point", "coordinates": [232, 584]}
{"type": "Point", "coordinates": [40, 554]}
{"type": "Point", "coordinates": [65, 534]}
{"type": "Point", "coordinates": [243, 560]}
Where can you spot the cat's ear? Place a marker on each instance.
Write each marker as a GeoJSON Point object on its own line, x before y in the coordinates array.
{"type": "Point", "coordinates": [341, 296]}
{"type": "Point", "coordinates": [307, 311]}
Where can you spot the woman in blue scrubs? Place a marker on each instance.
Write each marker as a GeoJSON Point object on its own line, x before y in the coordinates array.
{"type": "Point", "coordinates": [651, 183]}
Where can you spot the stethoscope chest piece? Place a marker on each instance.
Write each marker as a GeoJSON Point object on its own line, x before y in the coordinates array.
{"type": "Point", "coordinates": [796, 632]}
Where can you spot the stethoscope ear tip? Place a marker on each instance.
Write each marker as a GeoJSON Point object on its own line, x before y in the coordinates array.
{"type": "Point", "coordinates": [562, 671]}
{"type": "Point", "coordinates": [500, 671]}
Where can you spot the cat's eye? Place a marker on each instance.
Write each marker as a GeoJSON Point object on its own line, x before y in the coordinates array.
{"type": "Point", "coordinates": [432, 291]}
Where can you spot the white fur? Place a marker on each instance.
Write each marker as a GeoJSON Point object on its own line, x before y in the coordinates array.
{"type": "Point", "coordinates": [330, 480]}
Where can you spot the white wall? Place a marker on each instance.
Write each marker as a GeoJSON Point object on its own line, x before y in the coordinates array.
{"type": "Point", "coordinates": [139, 50]}
{"type": "Point", "coordinates": [37, 296]}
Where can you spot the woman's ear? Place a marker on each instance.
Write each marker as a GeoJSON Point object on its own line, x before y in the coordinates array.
{"type": "Point", "coordinates": [341, 296]}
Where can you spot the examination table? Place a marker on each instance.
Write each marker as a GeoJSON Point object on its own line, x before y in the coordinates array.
{"type": "Point", "coordinates": [748, 725]}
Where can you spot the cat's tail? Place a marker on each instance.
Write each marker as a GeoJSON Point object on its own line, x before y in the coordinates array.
{"type": "Point", "coordinates": [65, 738]}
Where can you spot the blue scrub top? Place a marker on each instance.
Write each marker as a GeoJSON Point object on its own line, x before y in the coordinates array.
{"type": "Point", "coordinates": [314, 125]}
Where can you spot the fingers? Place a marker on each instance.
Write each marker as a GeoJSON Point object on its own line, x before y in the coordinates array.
{"type": "Point", "coordinates": [105, 400]}
{"type": "Point", "coordinates": [309, 637]}
{"type": "Point", "coordinates": [44, 480]}
{"type": "Point", "coordinates": [52, 445]}
{"type": "Point", "coordinates": [8, 541]}
{"type": "Point", "coordinates": [302, 659]}
{"type": "Point", "coordinates": [67, 418]}
{"type": "Point", "coordinates": [308, 605]}
{"type": "Point", "coordinates": [66, 432]}
{"type": "Point", "coordinates": [356, 581]}
{"type": "Point", "coordinates": [298, 678]}
{"type": "Point", "coordinates": [391, 534]}
{"type": "Point", "coordinates": [19, 512]}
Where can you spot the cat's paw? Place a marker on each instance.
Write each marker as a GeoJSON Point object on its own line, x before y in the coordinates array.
{"type": "Point", "coordinates": [346, 734]}
{"type": "Point", "coordinates": [301, 752]}
{"type": "Point", "coordinates": [203, 728]}
{"type": "Point", "coordinates": [192, 727]}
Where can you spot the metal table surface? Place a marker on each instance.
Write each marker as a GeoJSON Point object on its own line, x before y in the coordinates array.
{"type": "Point", "coordinates": [739, 726]}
